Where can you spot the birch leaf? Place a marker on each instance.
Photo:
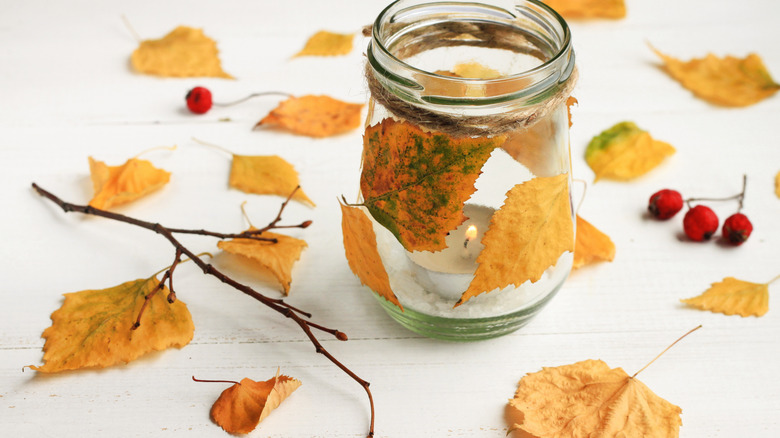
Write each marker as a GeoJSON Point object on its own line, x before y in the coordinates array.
{"type": "Point", "coordinates": [324, 43]}
{"type": "Point", "coordinates": [728, 81]}
{"type": "Point", "coordinates": [362, 255]}
{"type": "Point", "coordinates": [117, 185]}
{"type": "Point", "coordinates": [314, 116]}
{"type": "Point", "coordinates": [277, 258]}
{"type": "Point", "coordinates": [416, 183]}
{"type": "Point", "coordinates": [589, 8]}
{"type": "Point", "coordinates": [527, 235]}
{"type": "Point", "coordinates": [733, 297]}
{"type": "Point", "coordinates": [266, 175]}
{"type": "Point", "coordinates": [624, 152]}
{"type": "Point", "coordinates": [184, 52]}
{"type": "Point", "coordinates": [591, 245]}
{"type": "Point", "coordinates": [93, 328]}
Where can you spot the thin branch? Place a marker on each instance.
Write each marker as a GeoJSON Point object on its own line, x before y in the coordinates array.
{"type": "Point", "coordinates": [277, 305]}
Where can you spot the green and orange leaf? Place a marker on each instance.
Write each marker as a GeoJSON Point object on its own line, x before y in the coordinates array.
{"type": "Point", "coordinates": [624, 152]}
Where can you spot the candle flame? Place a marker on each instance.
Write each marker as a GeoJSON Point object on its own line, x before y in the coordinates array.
{"type": "Point", "coordinates": [471, 232]}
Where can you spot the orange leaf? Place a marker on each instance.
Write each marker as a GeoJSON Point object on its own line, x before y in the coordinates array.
{"type": "Point", "coordinates": [591, 245]}
{"type": "Point", "coordinates": [266, 175]}
{"type": "Point", "coordinates": [624, 152]}
{"type": "Point", "coordinates": [733, 297]}
{"type": "Point", "coordinates": [728, 81]}
{"type": "Point", "coordinates": [588, 399]}
{"type": "Point", "coordinates": [416, 183]}
{"type": "Point", "coordinates": [324, 43]}
{"type": "Point", "coordinates": [363, 258]}
{"type": "Point", "coordinates": [589, 8]}
{"type": "Point", "coordinates": [277, 258]}
{"type": "Point", "coordinates": [184, 52]}
{"type": "Point", "coordinates": [117, 185]}
{"type": "Point", "coordinates": [526, 236]}
{"type": "Point", "coordinates": [93, 328]}
{"type": "Point", "coordinates": [240, 408]}
{"type": "Point", "coordinates": [315, 116]}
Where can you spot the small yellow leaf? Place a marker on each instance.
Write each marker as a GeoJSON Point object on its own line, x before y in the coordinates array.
{"type": "Point", "coordinates": [733, 297]}
{"type": "Point", "coordinates": [93, 328]}
{"type": "Point", "coordinates": [777, 184]}
{"type": "Point", "coordinates": [324, 43]}
{"type": "Point", "coordinates": [589, 8]}
{"type": "Point", "coordinates": [527, 235]}
{"type": "Point", "coordinates": [591, 245]}
{"type": "Point", "coordinates": [277, 258]}
{"type": "Point", "coordinates": [363, 258]}
{"type": "Point", "coordinates": [184, 52]}
{"type": "Point", "coordinates": [624, 152]}
{"type": "Point", "coordinates": [240, 408]}
{"type": "Point", "coordinates": [117, 185]}
{"type": "Point", "coordinates": [315, 116]}
{"type": "Point", "coordinates": [728, 81]}
{"type": "Point", "coordinates": [266, 175]}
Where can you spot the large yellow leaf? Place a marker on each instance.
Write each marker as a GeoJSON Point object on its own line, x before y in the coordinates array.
{"type": "Point", "coordinates": [363, 258]}
{"type": "Point", "coordinates": [184, 52]}
{"type": "Point", "coordinates": [93, 328]}
{"type": "Point", "coordinates": [416, 183]}
{"type": "Point", "coordinates": [624, 152]}
{"type": "Point", "coordinates": [591, 245]}
{"type": "Point", "coordinates": [588, 399]}
{"type": "Point", "coordinates": [240, 408]}
{"type": "Point", "coordinates": [324, 43]}
{"type": "Point", "coordinates": [728, 81]}
{"type": "Point", "coordinates": [589, 8]}
{"type": "Point", "coordinates": [277, 258]}
{"type": "Point", "coordinates": [117, 185]}
{"type": "Point", "coordinates": [266, 175]}
{"type": "Point", "coordinates": [733, 297]}
{"type": "Point", "coordinates": [314, 116]}
{"type": "Point", "coordinates": [525, 237]}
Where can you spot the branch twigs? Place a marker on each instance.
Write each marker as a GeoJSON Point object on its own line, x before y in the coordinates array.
{"type": "Point", "coordinates": [277, 305]}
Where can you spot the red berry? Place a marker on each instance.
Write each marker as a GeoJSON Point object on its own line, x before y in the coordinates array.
{"type": "Point", "coordinates": [737, 228]}
{"type": "Point", "coordinates": [700, 223]}
{"type": "Point", "coordinates": [199, 100]}
{"type": "Point", "coordinates": [665, 203]}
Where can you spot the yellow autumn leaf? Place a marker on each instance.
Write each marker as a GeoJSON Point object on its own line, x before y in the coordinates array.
{"type": "Point", "coordinates": [240, 408]}
{"type": "Point", "coordinates": [624, 152]}
{"type": "Point", "coordinates": [734, 297]}
{"type": "Point", "coordinates": [93, 328]}
{"type": "Point", "coordinates": [363, 258]}
{"type": "Point", "coordinates": [314, 116]}
{"type": "Point", "coordinates": [117, 185]}
{"type": "Point", "coordinates": [266, 175]}
{"type": "Point", "coordinates": [277, 258]}
{"type": "Point", "coordinates": [184, 52]}
{"type": "Point", "coordinates": [589, 399]}
{"type": "Point", "coordinates": [777, 184]}
{"type": "Point", "coordinates": [728, 81]}
{"type": "Point", "coordinates": [527, 235]}
{"type": "Point", "coordinates": [591, 245]}
{"type": "Point", "coordinates": [589, 8]}
{"type": "Point", "coordinates": [324, 43]}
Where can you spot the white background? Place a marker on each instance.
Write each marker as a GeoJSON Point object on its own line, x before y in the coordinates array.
{"type": "Point", "coordinates": [68, 93]}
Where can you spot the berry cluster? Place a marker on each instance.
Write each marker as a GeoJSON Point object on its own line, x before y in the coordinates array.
{"type": "Point", "coordinates": [700, 222]}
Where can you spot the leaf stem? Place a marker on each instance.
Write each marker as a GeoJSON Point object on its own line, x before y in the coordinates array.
{"type": "Point", "coordinates": [212, 145]}
{"type": "Point", "coordinates": [667, 349]}
{"type": "Point", "coordinates": [772, 280]}
{"type": "Point", "coordinates": [215, 381]}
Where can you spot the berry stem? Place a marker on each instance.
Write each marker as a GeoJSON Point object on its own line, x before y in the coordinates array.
{"type": "Point", "coordinates": [739, 196]}
{"type": "Point", "coordinates": [244, 99]}
{"type": "Point", "coordinates": [667, 349]}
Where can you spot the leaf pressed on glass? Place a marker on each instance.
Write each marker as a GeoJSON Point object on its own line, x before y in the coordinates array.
{"type": "Point", "coordinates": [624, 152]}
{"type": "Point", "coordinates": [117, 185]}
{"type": "Point", "coordinates": [266, 175]}
{"type": "Point", "coordinates": [314, 116]}
{"type": "Point", "coordinates": [184, 52]}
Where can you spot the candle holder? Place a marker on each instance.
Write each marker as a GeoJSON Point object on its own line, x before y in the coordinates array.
{"type": "Point", "coordinates": [465, 173]}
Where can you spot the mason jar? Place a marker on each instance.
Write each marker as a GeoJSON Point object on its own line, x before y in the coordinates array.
{"type": "Point", "coordinates": [465, 172]}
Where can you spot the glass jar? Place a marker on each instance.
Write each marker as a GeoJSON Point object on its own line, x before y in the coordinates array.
{"type": "Point", "coordinates": [466, 172]}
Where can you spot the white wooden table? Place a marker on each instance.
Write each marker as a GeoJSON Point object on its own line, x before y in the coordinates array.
{"type": "Point", "coordinates": [68, 93]}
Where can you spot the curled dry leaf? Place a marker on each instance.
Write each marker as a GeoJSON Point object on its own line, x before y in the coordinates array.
{"type": "Point", "coordinates": [589, 399]}
{"type": "Point", "coordinates": [277, 258]}
{"type": "Point", "coordinates": [324, 43]}
{"type": "Point", "coordinates": [240, 408]}
{"type": "Point", "coordinates": [266, 175]}
{"type": "Point", "coordinates": [624, 152]}
{"type": "Point", "coordinates": [93, 328]}
{"type": "Point", "coordinates": [589, 8]}
{"type": "Point", "coordinates": [734, 297]}
{"type": "Point", "coordinates": [117, 185]}
{"type": "Point", "coordinates": [591, 245]}
{"type": "Point", "coordinates": [184, 52]}
{"type": "Point", "coordinates": [314, 116]}
{"type": "Point", "coordinates": [728, 81]}
{"type": "Point", "coordinates": [527, 235]}
{"type": "Point", "coordinates": [415, 183]}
